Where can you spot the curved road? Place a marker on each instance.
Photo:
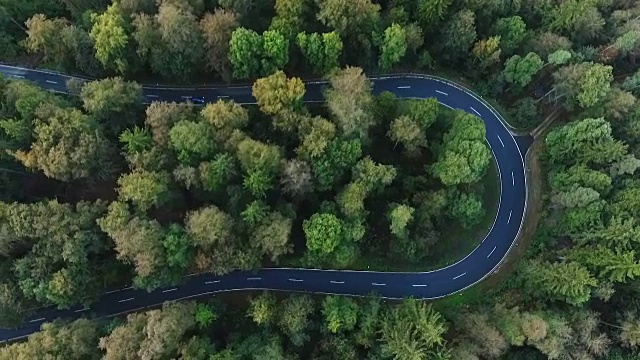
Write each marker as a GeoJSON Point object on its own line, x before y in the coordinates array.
{"type": "Point", "coordinates": [484, 259]}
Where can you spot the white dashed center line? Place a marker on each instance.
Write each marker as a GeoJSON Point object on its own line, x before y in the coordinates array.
{"type": "Point", "coordinates": [419, 285]}
{"type": "Point", "coordinates": [169, 290]}
{"type": "Point", "coordinates": [494, 249]}
{"type": "Point", "coordinates": [296, 280]}
{"type": "Point", "coordinates": [36, 320]}
{"type": "Point", "coordinates": [513, 179]}
{"type": "Point", "coordinates": [336, 282]}
{"type": "Point", "coordinates": [81, 310]}
{"type": "Point", "coordinates": [459, 276]}
{"type": "Point", "coordinates": [51, 82]}
{"type": "Point", "coordinates": [125, 300]}
{"type": "Point", "coordinates": [378, 284]}
{"type": "Point", "coordinates": [509, 219]}
{"type": "Point", "coordinates": [441, 92]}
{"type": "Point", "coordinates": [212, 282]}
{"type": "Point", "coordinates": [254, 278]}
{"type": "Point", "coordinates": [404, 87]}
{"type": "Point", "coordinates": [499, 138]}
{"type": "Point", "coordinates": [474, 110]}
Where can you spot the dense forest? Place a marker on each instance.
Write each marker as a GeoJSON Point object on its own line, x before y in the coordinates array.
{"type": "Point", "coordinates": [99, 190]}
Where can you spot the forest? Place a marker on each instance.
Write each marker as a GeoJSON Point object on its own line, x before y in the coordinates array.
{"type": "Point", "coordinates": [99, 190]}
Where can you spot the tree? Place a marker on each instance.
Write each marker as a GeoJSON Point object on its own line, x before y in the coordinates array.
{"type": "Point", "coordinates": [218, 172]}
{"type": "Point", "coordinates": [204, 315]}
{"type": "Point", "coordinates": [164, 327]}
{"type": "Point", "coordinates": [333, 164]}
{"type": "Point", "coordinates": [217, 29]}
{"type": "Point", "coordinates": [520, 71]}
{"type": "Point", "coordinates": [410, 330]}
{"type": "Point", "coordinates": [583, 84]}
{"type": "Point", "coordinates": [290, 17]}
{"type": "Point", "coordinates": [468, 210]}
{"type": "Point", "coordinates": [630, 330]}
{"type": "Point", "coordinates": [430, 12]}
{"type": "Point", "coordinates": [316, 135]}
{"type": "Point", "coordinates": [69, 145]}
{"type": "Point", "coordinates": [276, 93]}
{"type": "Point", "coordinates": [487, 52]}
{"type": "Point", "coordinates": [578, 19]}
{"type": "Point", "coordinates": [192, 141]}
{"type": "Point", "coordinates": [349, 100]}
{"type": "Point", "coordinates": [255, 155]}
{"type": "Point", "coordinates": [209, 227]}
{"type": "Point", "coordinates": [272, 236]}
{"type": "Point", "coordinates": [109, 32]}
{"type": "Point", "coordinates": [43, 35]}
{"type": "Point", "coordinates": [245, 53]}
{"type": "Point", "coordinates": [373, 176]}
{"type": "Point", "coordinates": [275, 52]}
{"type": "Point", "coordinates": [113, 101]}
{"type": "Point", "coordinates": [263, 309]}
{"type": "Point", "coordinates": [393, 46]}
{"type": "Point", "coordinates": [568, 281]}
{"type": "Point", "coordinates": [294, 317]}
{"type": "Point", "coordinates": [348, 18]}
{"type": "Point", "coordinates": [400, 216]}
{"type": "Point", "coordinates": [296, 178]}
{"type": "Point", "coordinates": [340, 313]}
{"type": "Point", "coordinates": [458, 34]}
{"type": "Point", "coordinates": [258, 182]}
{"type": "Point", "coordinates": [324, 232]}
{"type": "Point", "coordinates": [124, 341]}
{"type": "Point", "coordinates": [407, 132]}
{"type": "Point", "coordinates": [588, 141]}
{"type": "Point", "coordinates": [351, 199]}
{"type": "Point", "coordinates": [321, 51]}
{"type": "Point", "coordinates": [161, 116]}
{"type": "Point", "coordinates": [512, 32]}
{"type": "Point", "coordinates": [464, 156]}
{"type": "Point", "coordinates": [145, 189]}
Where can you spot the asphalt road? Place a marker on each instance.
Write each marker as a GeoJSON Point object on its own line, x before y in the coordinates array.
{"type": "Point", "coordinates": [482, 261]}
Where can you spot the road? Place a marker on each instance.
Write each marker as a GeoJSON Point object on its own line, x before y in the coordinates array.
{"type": "Point", "coordinates": [482, 261]}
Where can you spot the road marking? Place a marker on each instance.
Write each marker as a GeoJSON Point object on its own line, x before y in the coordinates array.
{"type": "Point", "coordinates": [419, 285]}
{"type": "Point", "coordinates": [51, 82]}
{"type": "Point", "coordinates": [254, 278]}
{"type": "Point", "coordinates": [169, 290]}
{"type": "Point", "coordinates": [378, 284]}
{"type": "Point", "coordinates": [513, 179]}
{"type": "Point", "coordinates": [36, 320]}
{"type": "Point", "coordinates": [212, 282]}
{"type": "Point", "coordinates": [19, 76]}
{"type": "Point", "coordinates": [296, 280]}
{"type": "Point", "coordinates": [81, 310]}
{"type": "Point", "coordinates": [223, 96]}
{"type": "Point", "coordinates": [442, 92]}
{"type": "Point", "coordinates": [336, 282]}
{"type": "Point", "coordinates": [459, 276]}
{"type": "Point", "coordinates": [509, 219]}
{"type": "Point", "coordinates": [125, 300]}
{"type": "Point", "coordinates": [113, 291]}
{"type": "Point", "coordinates": [186, 97]}
{"type": "Point", "coordinates": [404, 87]}
{"type": "Point", "coordinates": [474, 110]}
{"type": "Point", "coordinates": [494, 249]}
{"type": "Point", "coordinates": [152, 96]}
{"type": "Point", "coordinates": [499, 138]}
{"type": "Point", "coordinates": [445, 105]}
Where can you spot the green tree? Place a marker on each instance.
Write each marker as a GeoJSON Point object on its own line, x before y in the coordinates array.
{"type": "Point", "coordinates": [567, 281]}
{"type": "Point", "coordinates": [290, 17]}
{"type": "Point", "coordinates": [275, 52]}
{"type": "Point", "coordinates": [458, 34]}
{"type": "Point", "coordinates": [334, 163]}
{"type": "Point", "coordinates": [321, 51]}
{"type": "Point", "coordinates": [487, 51]}
{"type": "Point", "coordinates": [263, 309]}
{"type": "Point", "coordinates": [245, 53]}
{"type": "Point", "coordinates": [277, 93]}
{"type": "Point", "coordinates": [69, 145]}
{"type": "Point", "coordinates": [400, 217]}
{"type": "Point", "coordinates": [520, 71]}
{"type": "Point", "coordinates": [512, 31]}
{"type": "Point", "coordinates": [110, 35]}
{"type": "Point", "coordinates": [468, 210]}
{"type": "Point", "coordinates": [204, 315]}
{"type": "Point", "coordinates": [340, 313]}
{"type": "Point", "coordinates": [583, 84]}
{"type": "Point", "coordinates": [348, 18]}
{"type": "Point", "coordinates": [294, 319]}
{"type": "Point", "coordinates": [272, 236]}
{"type": "Point", "coordinates": [192, 141]}
{"type": "Point", "coordinates": [113, 101]}
{"type": "Point", "coordinates": [430, 12]}
{"type": "Point", "coordinates": [324, 232]}
{"type": "Point", "coordinates": [410, 330]}
{"type": "Point", "coordinates": [215, 174]}
{"type": "Point", "coordinates": [255, 155]}
{"type": "Point", "coordinates": [393, 46]}
{"type": "Point", "coordinates": [43, 36]}
{"type": "Point", "coordinates": [145, 189]}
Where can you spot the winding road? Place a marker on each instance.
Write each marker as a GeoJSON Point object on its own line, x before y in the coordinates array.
{"type": "Point", "coordinates": [507, 148]}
